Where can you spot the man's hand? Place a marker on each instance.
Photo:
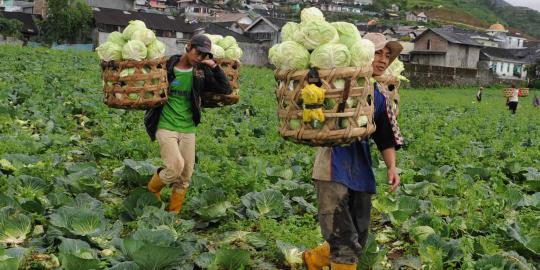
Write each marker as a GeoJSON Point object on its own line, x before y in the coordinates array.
{"type": "Point", "coordinates": [209, 62]}
{"type": "Point", "coordinates": [393, 179]}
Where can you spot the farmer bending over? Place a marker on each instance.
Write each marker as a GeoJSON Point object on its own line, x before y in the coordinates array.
{"type": "Point", "coordinates": [345, 181]}
{"type": "Point", "coordinates": [174, 124]}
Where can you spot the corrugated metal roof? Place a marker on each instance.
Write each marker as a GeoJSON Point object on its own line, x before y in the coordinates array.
{"type": "Point", "coordinates": [456, 37]}
{"type": "Point", "coordinates": [152, 20]}
{"type": "Point", "coordinates": [525, 55]}
{"type": "Point", "coordinates": [216, 29]}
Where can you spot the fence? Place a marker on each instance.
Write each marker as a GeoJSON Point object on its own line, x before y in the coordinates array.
{"type": "Point", "coordinates": [436, 76]}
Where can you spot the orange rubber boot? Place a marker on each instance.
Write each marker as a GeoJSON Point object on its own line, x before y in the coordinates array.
{"type": "Point", "coordinates": [178, 197]}
{"type": "Point", "coordinates": [318, 257]}
{"type": "Point", "coordinates": [156, 185]}
{"type": "Point", "coordinates": [341, 266]}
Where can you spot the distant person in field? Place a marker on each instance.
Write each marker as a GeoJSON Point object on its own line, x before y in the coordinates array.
{"type": "Point", "coordinates": [175, 124]}
{"type": "Point", "coordinates": [345, 181]}
{"type": "Point", "coordinates": [479, 94]}
{"type": "Point", "coordinates": [512, 101]}
{"type": "Point", "coordinates": [536, 101]}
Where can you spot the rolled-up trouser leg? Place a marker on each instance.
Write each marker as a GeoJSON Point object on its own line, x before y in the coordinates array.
{"type": "Point", "coordinates": [344, 217]}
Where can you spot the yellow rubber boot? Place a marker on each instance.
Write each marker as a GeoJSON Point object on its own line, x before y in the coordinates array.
{"type": "Point", "coordinates": [318, 257]}
{"type": "Point", "coordinates": [177, 200]}
{"type": "Point", "coordinates": [341, 266]}
{"type": "Point", "coordinates": [156, 185]}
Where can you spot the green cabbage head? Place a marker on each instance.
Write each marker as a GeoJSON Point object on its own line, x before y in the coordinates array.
{"type": "Point", "coordinates": [214, 38]}
{"type": "Point", "coordinates": [331, 55]}
{"type": "Point", "coordinates": [316, 33]}
{"type": "Point", "coordinates": [348, 33]}
{"type": "Point", "coordinates": [147, 36]}
{"type": "Point", "coordinates": [395, 69]}
{"type": "Point", "coordinates": [109, 51]}
{"type": "Point", "coordinates": [233, 53]}
{"type": "Point", "coordinates": [132, 27]}
{"type": "Point", "coordinates": [217, 51]}
{"type": "Point", "coordinates": [116, 37]}
{"type": "Point", "coordinates": [156, 50]}
{"type": "Point", "coordinates": [289, 55]}
{"type": "Point", "coordinates": [311, 14]}
{"type": "Point", "coordinates": [362, 53]}
{"type": "Point", "coordinates": [227, 42]}
{"type": "Point", "coordinates": [290, 32]}
{"type": "Point", "coordinates": [134, 50]}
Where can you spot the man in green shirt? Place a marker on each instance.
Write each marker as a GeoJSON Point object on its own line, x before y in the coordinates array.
{"type": "Point", "coordinates": [174, 124]}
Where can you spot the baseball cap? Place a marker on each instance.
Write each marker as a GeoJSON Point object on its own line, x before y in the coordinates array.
{"type": "Point", "coordinates": [379, 40]}
{"type": "Point", "coordinates": [202, 43]}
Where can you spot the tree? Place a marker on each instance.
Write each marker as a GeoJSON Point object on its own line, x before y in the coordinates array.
{"type": "Point", "coordinates": [10, 27]}
{"type": "Point", "coordinates": [67, 21]}
{"type": "Point", "coordinates": [234, 4]}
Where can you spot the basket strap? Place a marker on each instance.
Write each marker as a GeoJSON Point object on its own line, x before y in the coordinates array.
{"type": "Point", "coordinates": [345, 96]}
{"type": "Point", "coordinates": [313, 106]}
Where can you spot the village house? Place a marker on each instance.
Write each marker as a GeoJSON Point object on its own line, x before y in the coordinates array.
{"type": "Point", "coordinates": [17, 6]}
{"type": "Point", "coordinates": [444, 47]}
{"type": "Point", "coordinates": [504, 39]}
{"type": "Point", "coordinates": [266, 29]}
{"type": "Point", "coordinates": [117, 4]}
{"type": "Point", "coordinates": [414, 16]}
{"type": "Point", "coordinates": [507, 63]}
{"type": "Point", "coordinates": [173, 31]}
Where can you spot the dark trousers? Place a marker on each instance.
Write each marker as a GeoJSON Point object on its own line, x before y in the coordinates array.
{"type": "Point", "coordinates": [513, 106]}
{"type": "Point", "coordinates": [344, 216]}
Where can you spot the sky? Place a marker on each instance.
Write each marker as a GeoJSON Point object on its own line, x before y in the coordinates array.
{"type": "Point", "coordinates": [534, 4]}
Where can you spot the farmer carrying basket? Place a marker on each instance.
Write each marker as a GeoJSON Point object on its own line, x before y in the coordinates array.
{"type": "Point", "coordinates": [174, 124]}
{"type": "Point", "coordinates": [345, 181]}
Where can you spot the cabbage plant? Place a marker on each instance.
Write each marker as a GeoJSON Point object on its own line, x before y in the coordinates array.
{"type": "Point", "coordinates": [269, 203]}
{"type": "Point", "coordinates": [11, 259]}
{"type": "Point", "coordinates": [153, 249]}
{"type": "Point", "coordinates": [77, 254]}
{"type": "Point", "coordinates": [78, 221]}
{"type": "Point", "coordinates": [14, 226]}
{"type": "Point", "coordinates": [211, 205]}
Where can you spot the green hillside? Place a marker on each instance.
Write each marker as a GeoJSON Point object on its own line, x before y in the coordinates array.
{"type": "Point", "coordinates": [476, 13]}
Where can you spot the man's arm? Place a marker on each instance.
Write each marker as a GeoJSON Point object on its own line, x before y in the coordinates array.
{"type": "Point", "coordinates": [217, 81]}
{"type": "Point", "coordinates": [389, 156]}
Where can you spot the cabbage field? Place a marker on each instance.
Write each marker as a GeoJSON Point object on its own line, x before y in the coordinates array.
{"type": "Point", "coordinates": [73, 175]}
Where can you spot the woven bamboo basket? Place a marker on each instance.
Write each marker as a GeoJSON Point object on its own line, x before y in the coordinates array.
{"type": "Point", "coordinates": [391, 85]}
{"type": "Point", "coordinates": [524, 92]}
{"type": "Point", "coordinates": [232, 71]}
{"type": "Point", "coordinates": [145, 88]}
{"type": "Point", "coordinates": [344, 123]}
{"type": "Point", "coordinates": [508, 92]}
